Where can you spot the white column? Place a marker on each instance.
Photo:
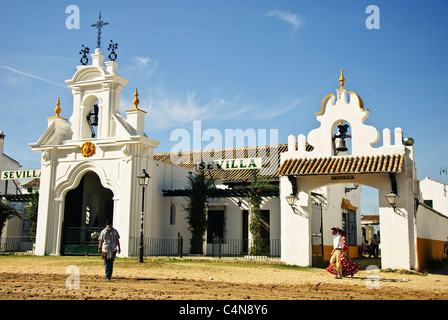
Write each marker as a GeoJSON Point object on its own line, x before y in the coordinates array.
{"type": "Point", "coordinates": [295, 227]}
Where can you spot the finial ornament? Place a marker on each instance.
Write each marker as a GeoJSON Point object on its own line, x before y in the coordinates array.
{"type": "Point", "coordinates": [57, 110]}
{"type": "Point", "coordinates": [342, 79]}
{"type": "Point", "coordinates": [112, 47]}
{"type": "Point", "coordinates": [136, 102]}
{"type": "Point", "coordinates": [84, 51]}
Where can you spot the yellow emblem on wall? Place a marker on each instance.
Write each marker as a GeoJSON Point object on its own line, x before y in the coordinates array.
{"type": "Point", "coordinates": [87, 149]}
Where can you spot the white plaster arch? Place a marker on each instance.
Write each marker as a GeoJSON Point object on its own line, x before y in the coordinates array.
{"type": "Point", "coordinates": [74, 175]}
{"type": "Point", "coordinates": [90, 73]}
{"type": "Point", "coordinates": [90, 99]}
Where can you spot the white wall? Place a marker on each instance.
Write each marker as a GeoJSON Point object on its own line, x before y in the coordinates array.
{"type": "Point", "coordinates": [432, 232]}
{"type": "Point", "coordinates": [437, 192]}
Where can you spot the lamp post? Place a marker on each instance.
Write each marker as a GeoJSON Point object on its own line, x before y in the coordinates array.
{"type": "Point", "coordinates": [392, 198]}
{"type": "Point", "coordinates": [143, 181]}
{"type": "Point", "coordinates": [292, 199]}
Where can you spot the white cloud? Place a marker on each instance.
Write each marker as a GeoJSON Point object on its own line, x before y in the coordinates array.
{"type": "Point", "coordinates": [140, 66]}
{"type": "Point", "coordinates": [288, 17]}
{"type": "Point", "coordinates": [277, 110]}
{"type": "Point", "coordinates": [169, 110]}
{"type": "Point", "coordinates": [143, 61]}
{"type": "Point", "coordinates": [29, 75]}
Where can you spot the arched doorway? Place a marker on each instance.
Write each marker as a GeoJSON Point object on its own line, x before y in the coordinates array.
{"type": "Point", "coordinates": [351, 207]}
{"type": "Point", "coordinates": [86, 209]}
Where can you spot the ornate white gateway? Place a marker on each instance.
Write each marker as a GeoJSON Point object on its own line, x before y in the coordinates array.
{"type": "Point", "coordinates": [326, 157]}
{"type": "Point", "coordinates": [89, 166]}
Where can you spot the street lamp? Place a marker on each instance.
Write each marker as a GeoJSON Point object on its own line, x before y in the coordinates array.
{"type": "Point", "coordinates": [143, 181]}
{"type": "Point", "coordinates": [392, 198]}
{"type": "Point", "coordinates": [292, 199]}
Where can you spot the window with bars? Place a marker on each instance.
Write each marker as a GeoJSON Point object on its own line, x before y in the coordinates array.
{"type": "Point", "coordinates": [349, 226]}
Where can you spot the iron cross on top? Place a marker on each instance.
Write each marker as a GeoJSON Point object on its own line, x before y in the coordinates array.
{"type": "Point", "coordinates": [99, 24]}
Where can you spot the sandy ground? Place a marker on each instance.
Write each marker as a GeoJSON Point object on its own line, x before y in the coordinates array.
{"type": "Point", "coordinates": [45, 278]}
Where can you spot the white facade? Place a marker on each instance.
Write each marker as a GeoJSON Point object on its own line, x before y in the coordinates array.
{"type": "Point", "coordinates": [116, 155]}
{"type": "Point", "coordinates": [14, 226]}
{"type": "Point", "coordinates": [435, 194]}
{"type": "Point", "coordinates": [88, 176]}
{"type": "Point", "coordinates": [364, 165]}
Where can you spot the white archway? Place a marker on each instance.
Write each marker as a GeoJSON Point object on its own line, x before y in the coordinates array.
{"type": "Point", "coordinates": [387, 168]}
{"type": "Point", "coordinates": [70, 181]}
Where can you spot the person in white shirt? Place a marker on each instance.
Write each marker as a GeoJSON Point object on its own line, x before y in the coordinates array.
{"type": "Point", "coordinates": [337, 252]}
{"type": "Point", "coordinates": [109, 241]}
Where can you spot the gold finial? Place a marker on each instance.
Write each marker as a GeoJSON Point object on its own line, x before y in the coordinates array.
{"type": "Point", "coordinates": [342, 79]}
{"type": "Point", "coordinates": [57, 110]}
{"type": "Point", "coordinates": [136, 102]}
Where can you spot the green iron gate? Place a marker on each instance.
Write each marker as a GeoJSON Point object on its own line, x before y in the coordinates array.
{"type": "Point", "coordinates": [81, 241]}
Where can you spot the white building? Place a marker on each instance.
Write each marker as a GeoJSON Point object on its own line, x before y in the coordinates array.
{"type": "Point", "coordinates": [90, 165]}
{"type": "Point", "coordinates": [16, 229]}
{"type": "Point", "coordinates": [89, 173]}
{"type": "Point", "coordinates": [434, 194]}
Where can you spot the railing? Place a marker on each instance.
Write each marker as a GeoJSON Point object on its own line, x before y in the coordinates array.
{"type": "Point", "coordinates": [165, 246]}
{"type": "Point", "coordinates": [173, 246]}
{"type": "Point", "coordinates": [162, 246]}
{"type": "Point", "coordinates": [243, 247]}
{"type": "Point", "coordinates": [16, 244]}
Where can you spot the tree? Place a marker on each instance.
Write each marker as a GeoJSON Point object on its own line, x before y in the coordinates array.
{"type": "Point", "coordinates": [31, 211]}
{"type": "Point", "coordinates": [255, 192]}
{"type": "Point", "coordinates": [7, 212]}
{"type": "Point", "coordinates": [199, 189]}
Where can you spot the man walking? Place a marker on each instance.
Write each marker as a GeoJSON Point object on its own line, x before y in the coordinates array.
{"type": "Point", "coordinates": [109, 241]}
{"type": "Point", "coordinates": [337, 252]}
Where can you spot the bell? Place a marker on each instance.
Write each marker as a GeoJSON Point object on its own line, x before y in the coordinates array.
{"type": "Point", "coordinates": [94, 119]}
{"type": "Point", "coordinates": [341, 145]}
{"type": "Point", "coordinates": [94, 116]}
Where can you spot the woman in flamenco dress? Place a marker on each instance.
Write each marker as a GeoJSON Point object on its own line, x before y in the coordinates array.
{"type": "Point", "coordinates": [349, 267]}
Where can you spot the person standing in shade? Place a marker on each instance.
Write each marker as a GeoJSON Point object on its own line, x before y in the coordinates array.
{"type": "Point", "coordinates": [376, 246]}
{"type": "Point", "coordinates": [336, 254]}
{"type": "Point", "coordinates": [109, 241]}
{"type": "Point", "coordinates": [445, 248]}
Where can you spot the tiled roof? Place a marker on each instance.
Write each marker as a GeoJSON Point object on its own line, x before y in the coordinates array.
{"type": "Point", "coordinates": [32, 183]}
{"type": "Point", "coordinates": [343, 165]}
{"type": "Point", "coordinates": [194, 157]}
{"type": "Point", "coordinates": [303, 166]}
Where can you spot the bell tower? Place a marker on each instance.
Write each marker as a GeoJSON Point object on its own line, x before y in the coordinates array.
{"type": "Point", "coordinates": [96, 98]}
{"type": "Point", "coordinates": [90, 162]}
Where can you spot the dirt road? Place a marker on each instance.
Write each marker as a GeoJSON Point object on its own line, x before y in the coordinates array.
{"type": "Point", "coordinates": [48, 278]}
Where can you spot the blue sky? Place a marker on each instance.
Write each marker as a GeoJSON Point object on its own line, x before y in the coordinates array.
{"type": "Point", "coordinates": [233, 64]}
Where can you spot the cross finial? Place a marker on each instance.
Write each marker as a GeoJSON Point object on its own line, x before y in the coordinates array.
{"type": "Point", "coordinates": [99, 25]}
